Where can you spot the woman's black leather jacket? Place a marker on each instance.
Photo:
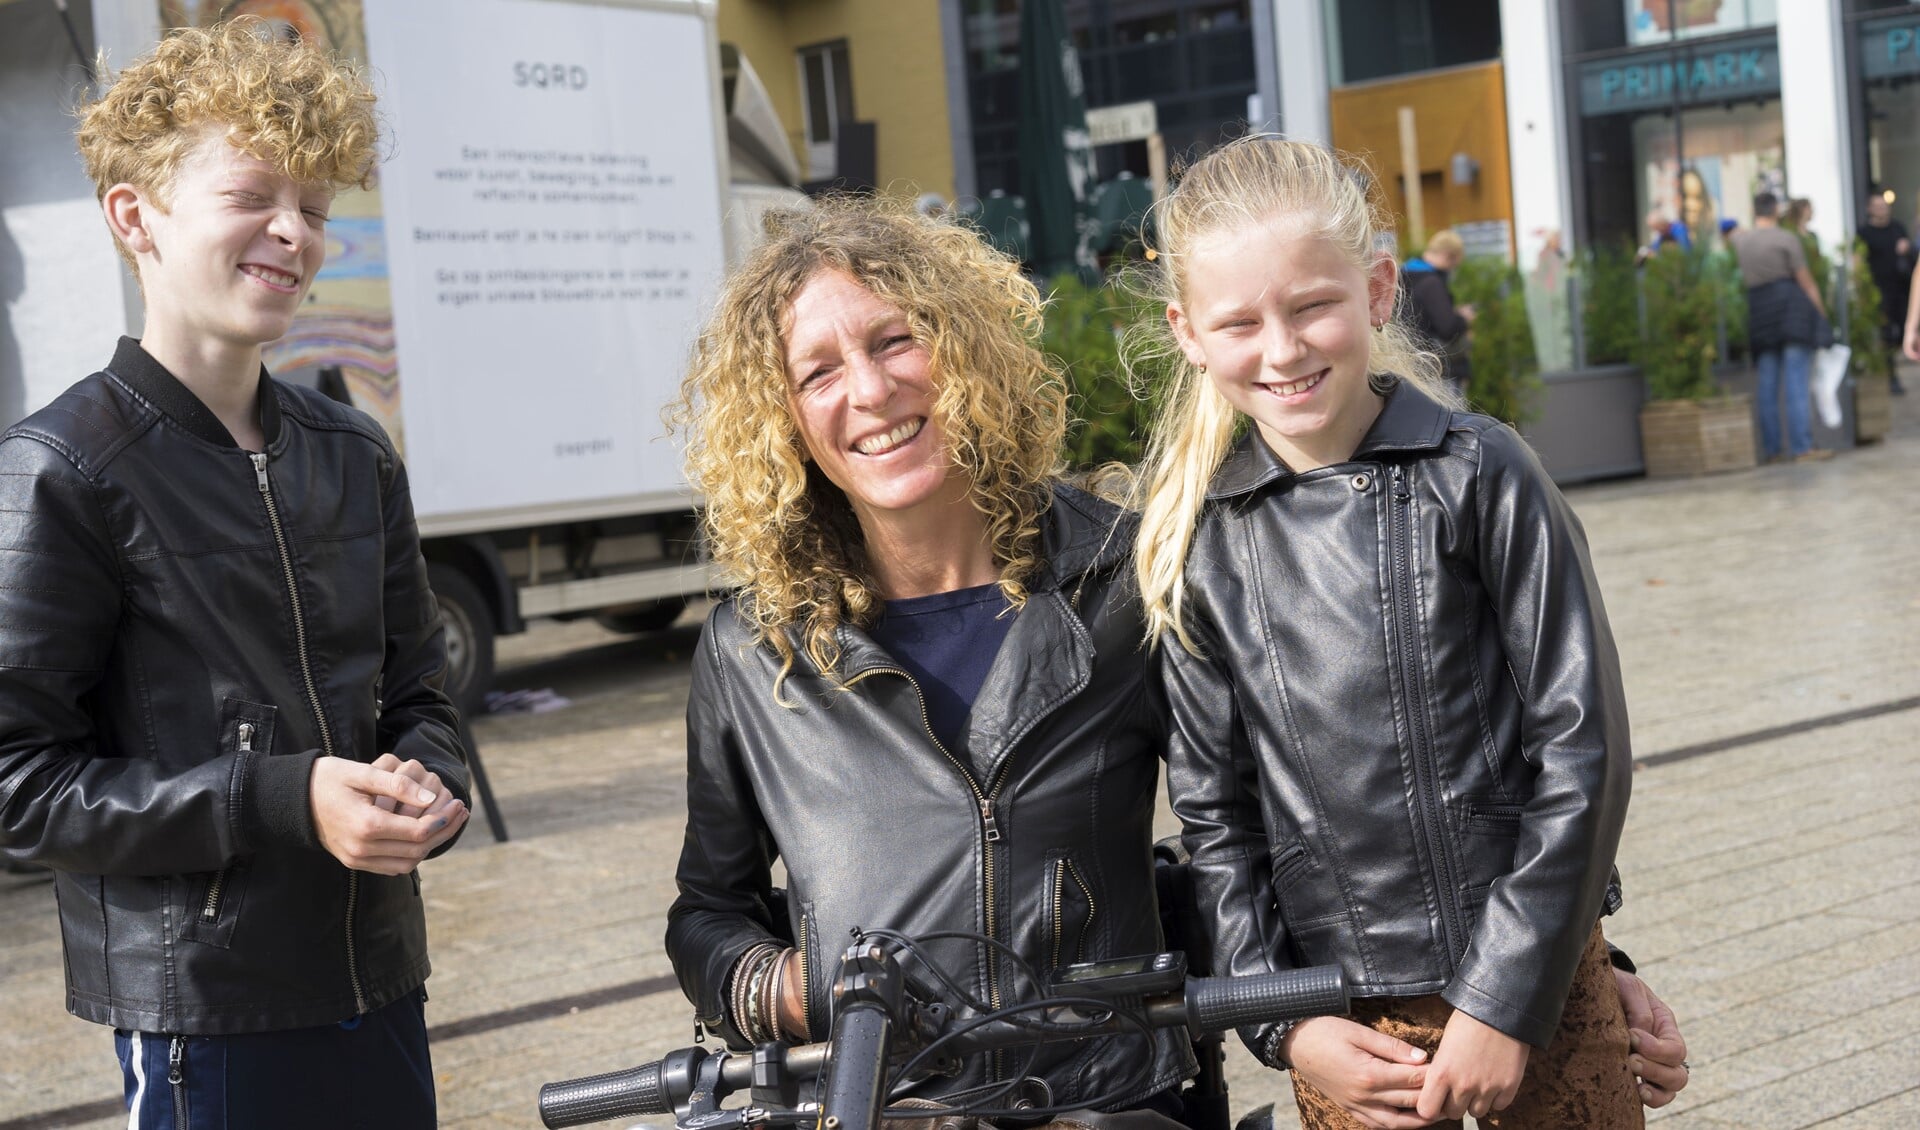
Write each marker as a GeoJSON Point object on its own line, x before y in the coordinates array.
{"type": "Point", "coordinates": [1406, 748]}
{"type": "Point", "coordinates": [1048, 848]}
{"type": "Point", "coordinates": [184, 628]}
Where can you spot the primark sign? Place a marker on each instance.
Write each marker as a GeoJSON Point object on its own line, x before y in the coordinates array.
{"type": "Point", "coordinates": [1728, 70]}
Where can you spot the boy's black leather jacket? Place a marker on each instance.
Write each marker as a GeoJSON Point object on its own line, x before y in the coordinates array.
{"type": "Point", "coordinates": [881, 827]}
{"type": "Point", "coordinates": [1409, 648]}
{"type": "Point", "coordinates": [182, 632]}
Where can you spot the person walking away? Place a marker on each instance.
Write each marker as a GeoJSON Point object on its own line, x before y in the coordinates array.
{"type": "Point", "coordinates": [1890, 261]}
{"type": "Point", "coordinates": [221, 722]}
{"type": "Point", "coordinates": [1786, 322]}
{"type": "Point", "coordinates": [1388, 671]}
{"type": "Point", "coordinates": [1431, 310]}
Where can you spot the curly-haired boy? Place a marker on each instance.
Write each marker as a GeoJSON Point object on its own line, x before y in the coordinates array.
{"type": "Point", "coordinates": [221, 722]}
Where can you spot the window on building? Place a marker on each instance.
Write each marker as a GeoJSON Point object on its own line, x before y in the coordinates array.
{"type": "Point", "coordinates": [826, 91]}
{"type": "Point", "coordinates": [1371, 39]}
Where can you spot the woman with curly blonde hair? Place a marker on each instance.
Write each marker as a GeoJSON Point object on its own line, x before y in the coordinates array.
{"type": "Point", "coordinates": [927, 696]}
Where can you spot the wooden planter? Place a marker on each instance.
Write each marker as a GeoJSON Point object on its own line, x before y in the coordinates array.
{"type": "Point", "coordinates": [1687, 437]}
{"type": "Point", "coordinates": [1872, 408]}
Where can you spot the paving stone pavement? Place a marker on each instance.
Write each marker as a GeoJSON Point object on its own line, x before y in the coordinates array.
{"type": "Point", "coordinates": [1773, 885]}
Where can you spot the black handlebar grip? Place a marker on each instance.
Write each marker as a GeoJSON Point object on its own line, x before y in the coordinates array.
{"type": "Point", "coordinates": [1215, 1004]}
{"type": "Point", "coordinates": [617, 1094]}
{"type": "Point", "coordinates": [857, 1069]}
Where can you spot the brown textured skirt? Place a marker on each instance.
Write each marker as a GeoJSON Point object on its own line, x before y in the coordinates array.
{"type": "Point", "coordinates": [1581, 1079]}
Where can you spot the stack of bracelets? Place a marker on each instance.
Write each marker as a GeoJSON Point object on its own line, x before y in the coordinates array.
{"type": "Point", "coordinates": [755, 993]}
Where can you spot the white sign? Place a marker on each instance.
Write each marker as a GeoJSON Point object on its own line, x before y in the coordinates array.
{"type": "Point", "coordinates": [553, 230]}
{"type": "Point", "coordinates": [1130, 121]}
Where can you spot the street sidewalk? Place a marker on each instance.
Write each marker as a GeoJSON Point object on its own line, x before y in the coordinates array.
{"type": "Point", "coordinates": [1767, 620]}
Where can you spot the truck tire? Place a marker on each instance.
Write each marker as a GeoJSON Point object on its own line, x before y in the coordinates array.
{"type": "Point", "coordinates": [636, 618]}
{"type": "Point", "coordinates": [469, 624]}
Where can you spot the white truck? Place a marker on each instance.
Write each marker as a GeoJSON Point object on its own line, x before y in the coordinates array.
{"type": "Point", "coordinates": [514, 299]}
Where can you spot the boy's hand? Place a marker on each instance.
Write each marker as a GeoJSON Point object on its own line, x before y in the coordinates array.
{"type": "Point", "coordinates": [420, 775]}
{"type": "Point", "coordinates": [1371, 1075]}
{"type": "Point", "coordinates": [1659, 1051]}
{"type": "Point", "coordinates": [358, 830]}
{"type": "Point", "coordinates": [1477, 1070]}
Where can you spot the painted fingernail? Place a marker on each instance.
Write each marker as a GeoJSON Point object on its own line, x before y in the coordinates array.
{"type": "Point", "coordinates": [439, 824]}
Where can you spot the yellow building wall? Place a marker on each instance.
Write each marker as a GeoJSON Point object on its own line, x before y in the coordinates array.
{"type": "Point", "coordinates": [1460, 110]}
{"type": "Point", "coordinates": [899, 76]}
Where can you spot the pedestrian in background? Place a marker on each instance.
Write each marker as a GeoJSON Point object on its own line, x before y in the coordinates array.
{"type": "Point", "coordinates": [1388, 671]}
{"type": "Point", "coordinates": [1443, 327]}
{"type": "Point", "coordinates": [1890, 262]}
{"type": "Point", "coordinates": [1786, 322]}
{"type": "Point", "coordinates": [221, 722]}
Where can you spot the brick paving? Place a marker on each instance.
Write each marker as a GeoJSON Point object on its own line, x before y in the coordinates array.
{"type": "Point", "coordinates": [1773, 884]}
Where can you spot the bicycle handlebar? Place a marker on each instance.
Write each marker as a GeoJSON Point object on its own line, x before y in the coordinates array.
{"type": "Point", "coordinates": [1208, 1004]}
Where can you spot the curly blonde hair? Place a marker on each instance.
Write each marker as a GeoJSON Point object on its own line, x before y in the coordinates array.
{"type": "Point", "coordinates": [1253, 179]}
{"type": "Point", "coordinates": [282, 101]}
{"type": "Point", "coordinates": [774, 524]}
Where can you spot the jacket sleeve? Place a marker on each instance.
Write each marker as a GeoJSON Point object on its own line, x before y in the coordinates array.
{"type": "Point", "coordinates": [1213, 786]}
{"type": "Point", "coordinates": [1440, 317]}
{"type": "Point", "coordinates": [66, 802]}
{"type": "Point", "coordinates": [725, 877]}
{"type": "Point", "coordinates": [1533, 560]}
{"type": "Point", "coordinates": [417, 720]}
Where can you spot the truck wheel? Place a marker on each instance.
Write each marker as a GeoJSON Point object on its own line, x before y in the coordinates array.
{"type": "Point", "coordinates": [469, 625]}
{"type": "Point", "coordinates": [643, 617]}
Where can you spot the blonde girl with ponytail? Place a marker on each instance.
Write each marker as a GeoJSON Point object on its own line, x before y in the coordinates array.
{"type": "Point", "coordinates": [1398, 741]}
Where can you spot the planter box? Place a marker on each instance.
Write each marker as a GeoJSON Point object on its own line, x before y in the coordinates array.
{"type": "Point", "coordinates": [1872, 408]}
{"type": "Point", "coordinates": [1685, 437]}
{"type": "Point", "coordinates": [1585, 425]}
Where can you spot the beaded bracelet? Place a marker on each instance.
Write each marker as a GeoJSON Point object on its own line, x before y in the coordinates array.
{"type": "Point", "coordinates": [742, 989]}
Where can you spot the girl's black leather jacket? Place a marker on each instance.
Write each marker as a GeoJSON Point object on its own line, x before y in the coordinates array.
{"type": "Point", "coordinates": [1045, 846]}
{"type": "Point", "coordinates": [183, 630]}
{"type": "Point", "coordinates": [1409, 650]}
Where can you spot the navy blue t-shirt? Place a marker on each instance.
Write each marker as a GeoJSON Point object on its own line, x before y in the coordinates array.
{"type": "Point", "coordinates": [947, 641]}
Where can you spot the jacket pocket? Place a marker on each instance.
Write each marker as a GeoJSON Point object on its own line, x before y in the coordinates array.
{"type": "Point", "coordinates": [1487, 831]}
{"type": "Point", "coordinates": [1304, 898]}
{"type": "Point", "coordinates": [214, 898]}
{"type": "Point", "coordinates": [1489, 817]}
{"type": "Point", "coordinates": [1070, 910]}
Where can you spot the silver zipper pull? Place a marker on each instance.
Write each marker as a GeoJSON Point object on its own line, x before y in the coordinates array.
{"type": "Point", "coordinates": [260, 470]}
{"type": "Point", "coordinates": [176, 1051]}
{"type": "Point", "coordinates": [246, 737]}
{"type": "Point", "coordinates": [986, 818]}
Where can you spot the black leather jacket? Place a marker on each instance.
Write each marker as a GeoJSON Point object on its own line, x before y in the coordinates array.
{"type": "Point", "coordinates": [1409, 650]}
{"type": "Point", "coordinates": [182, 633]}
{"type": "Point", "coordinates": [880, 826]}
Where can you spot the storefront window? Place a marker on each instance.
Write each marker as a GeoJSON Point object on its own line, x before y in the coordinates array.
{"type": "Point", "coordinates": [1657, 21]}
{"type": "Point", "coordinates": [1889, 65]}
{"type": "Point", "coordinates": [1709, 168]}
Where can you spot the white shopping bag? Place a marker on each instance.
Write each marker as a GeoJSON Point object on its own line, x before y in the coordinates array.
{"type": "Point", "coordinates": [1829, 369]}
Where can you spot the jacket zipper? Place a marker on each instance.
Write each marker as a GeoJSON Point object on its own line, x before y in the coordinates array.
{"type": "Point", "coordinates": [1063, 869]}
{"type": "Point", "coordinates": [990, 831]}
{"type": "Point", "coordinates": [210, 910]}
{"type": "Point", "coordinates": [806, 977]}
{"type": "Point", "coordinates": [1400, 518]}
{"type": "Point", "coordinates": [177, 1080]}
{"type": "Point", "coordinates": [313, 700]}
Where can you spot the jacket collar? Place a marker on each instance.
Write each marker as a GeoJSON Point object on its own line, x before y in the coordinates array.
{"type": "Point", "coordinates": [137, 368]}
{"type": "Point", "coordinates": [1079, 534]}
{"type": "Point", "coordinates": [1409, 421]}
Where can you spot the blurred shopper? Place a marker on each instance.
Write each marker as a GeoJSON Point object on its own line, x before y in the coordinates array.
{"type": "Point", "coordinates": [1431, 311]}
{"type": "Point", "coordinates": [1786, 322]}
{"type": "Point", "coordinates": [221, 722]}
{"type": "Point", "coordinates": [1890, 262]}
